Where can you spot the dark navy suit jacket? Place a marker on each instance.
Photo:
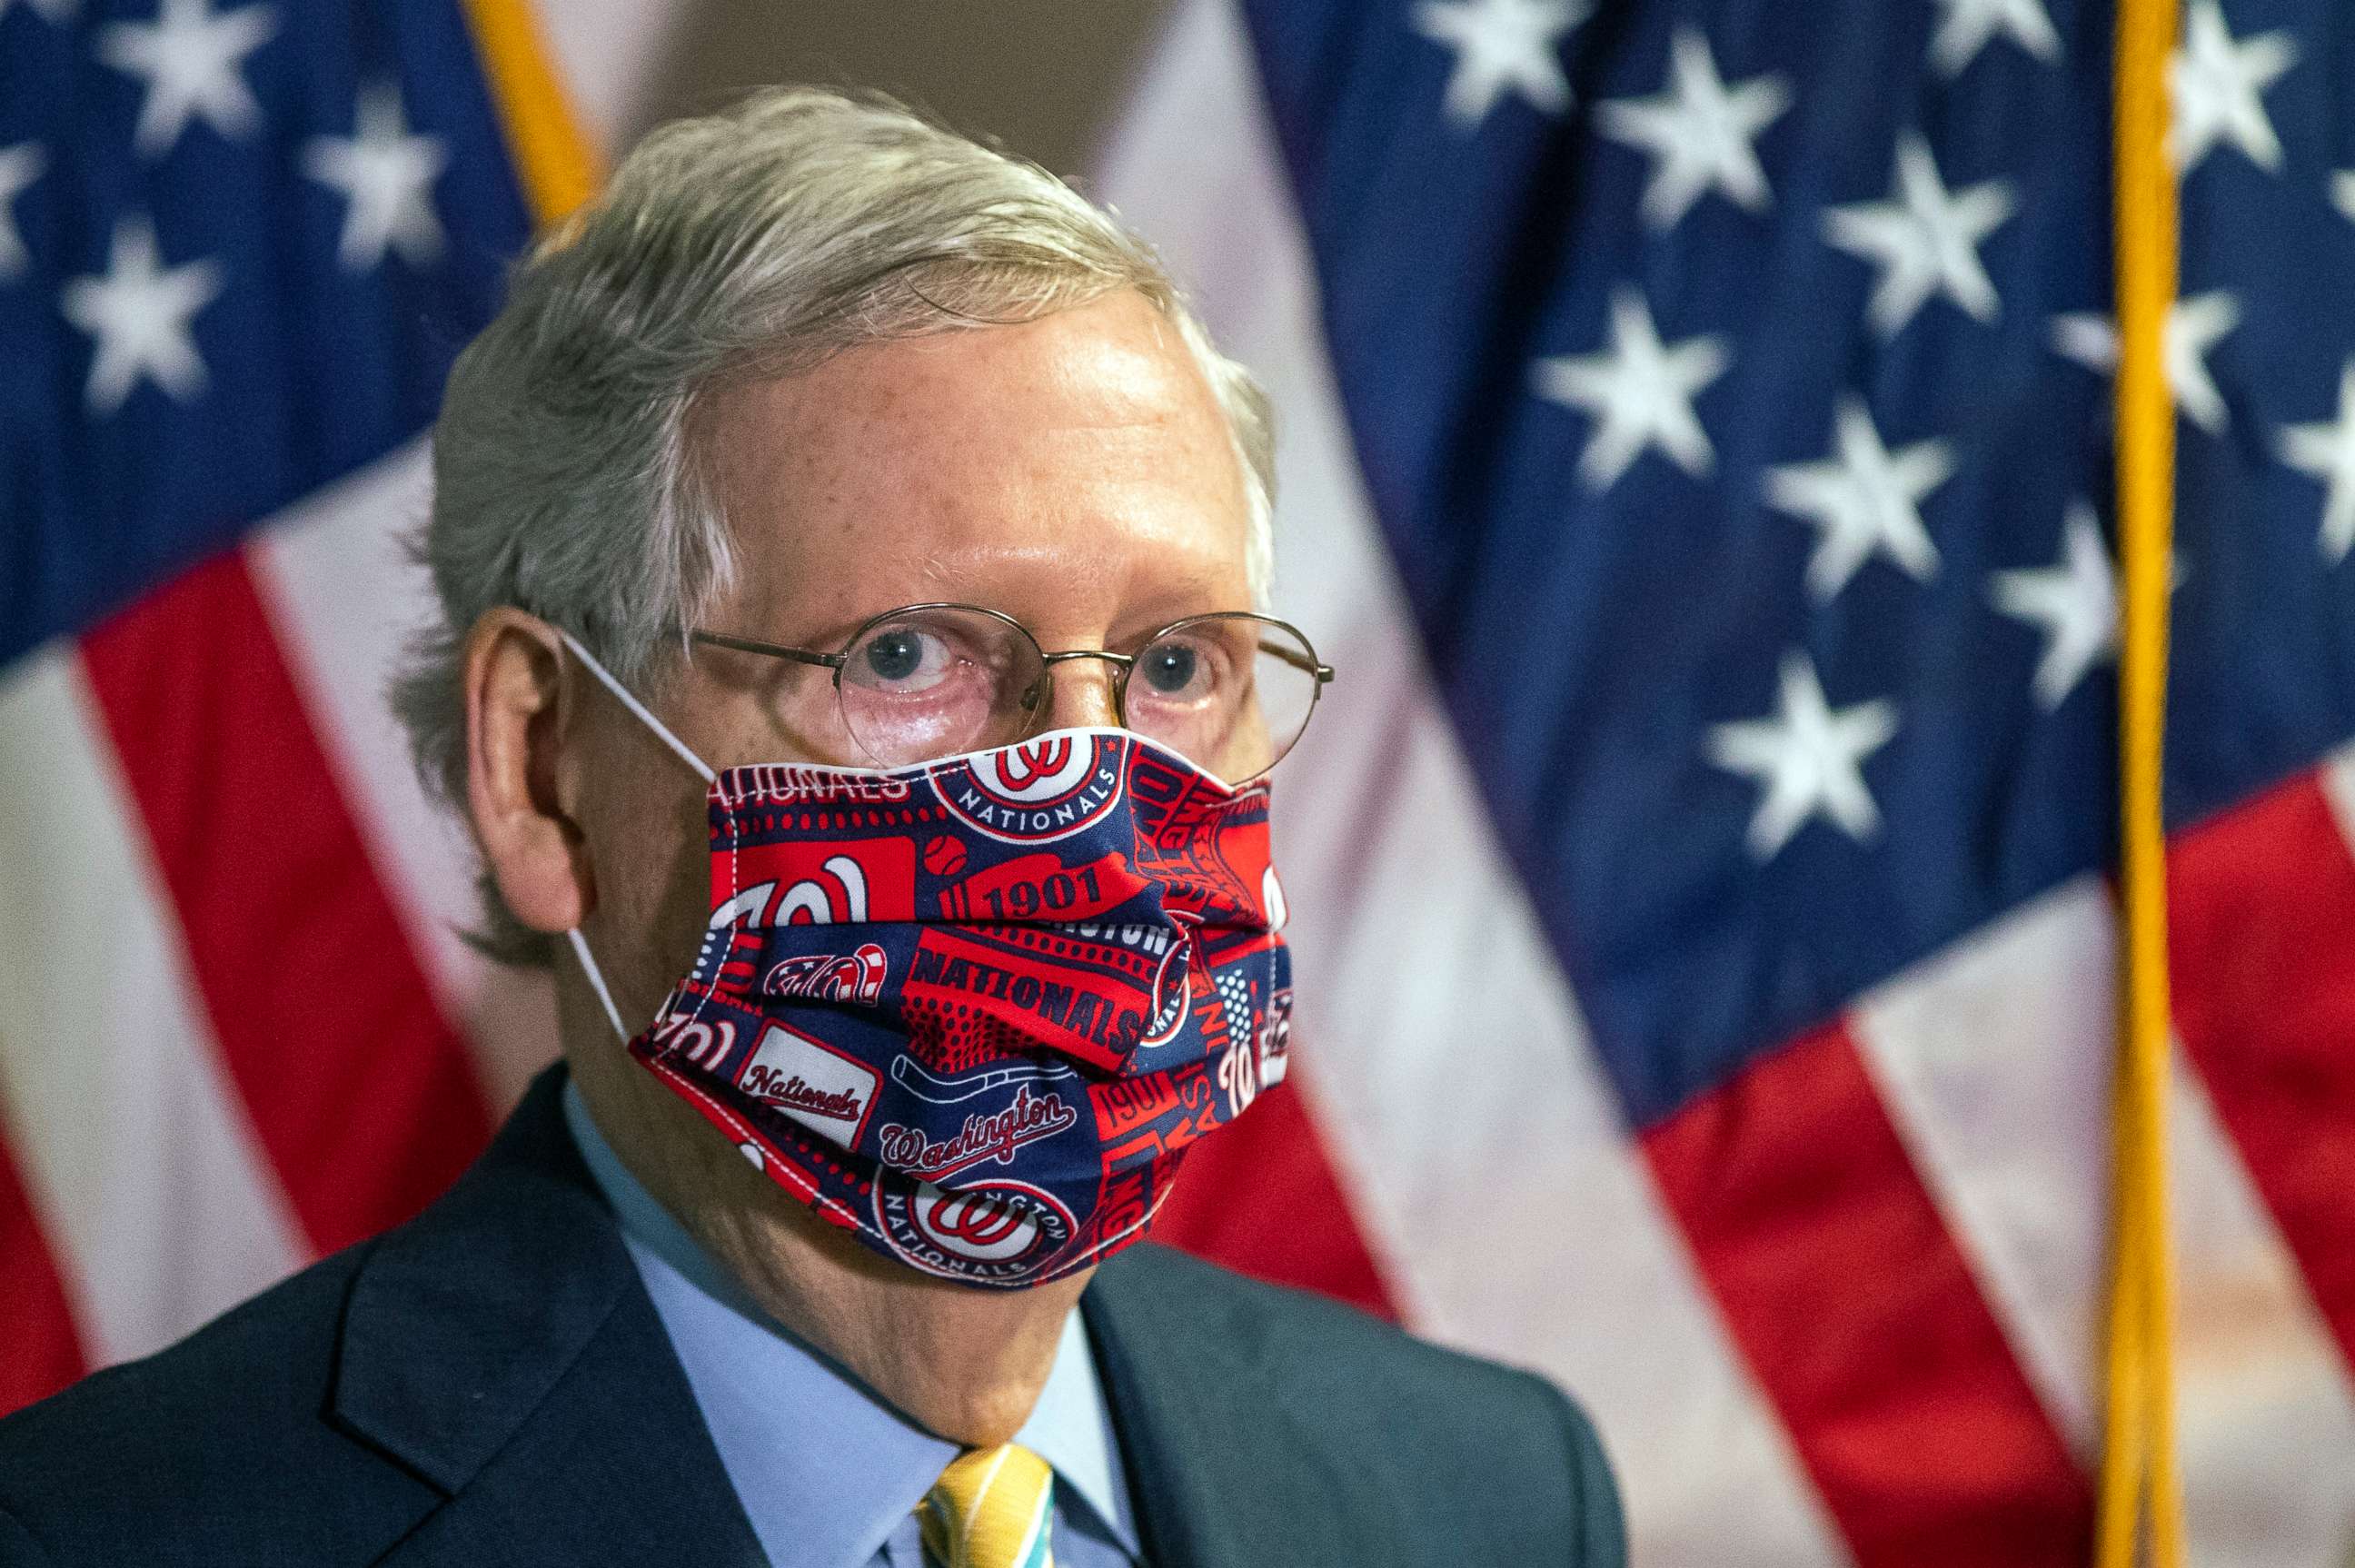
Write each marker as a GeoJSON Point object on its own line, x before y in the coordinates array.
{"type": "Point", "coordinates": [490, 1385]}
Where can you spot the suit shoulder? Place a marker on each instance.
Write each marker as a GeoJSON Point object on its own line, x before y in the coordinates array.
{"type": "Point", "coordinates": [1318, 1341]}
{"type": "Point", "coordinates": [258, 1362]}
{"type": "Point", "coordinates": [1505, 1445]}
{"type": "Point", "coordinates": [228, 1423]}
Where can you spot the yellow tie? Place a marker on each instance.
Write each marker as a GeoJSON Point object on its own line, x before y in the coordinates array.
{"type": "Point", "coordinates": [989, 1509]}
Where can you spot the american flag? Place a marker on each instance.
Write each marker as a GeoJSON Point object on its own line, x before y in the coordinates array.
{"type": "Point", "coordinates": [1695, 458]}
{"type": "Point", "coordinates": [1699, 466]}
{"type": "Point", "coordinates": [240, 245]}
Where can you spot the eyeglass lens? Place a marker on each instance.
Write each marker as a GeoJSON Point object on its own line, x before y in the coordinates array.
{"type": "Point", "coordinates": [1229, 691]}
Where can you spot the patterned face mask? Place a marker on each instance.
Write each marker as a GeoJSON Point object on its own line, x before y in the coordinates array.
{"type": "Point", "coordinates": [975, 1011]}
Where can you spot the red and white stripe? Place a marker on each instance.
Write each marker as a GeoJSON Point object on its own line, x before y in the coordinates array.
{"type": "Point", "coordinates": [335, 581]}
{"type": "Point", "coordinates": [1845, 1308]}
{"type": "Point", "coordinates": [137, 1154]}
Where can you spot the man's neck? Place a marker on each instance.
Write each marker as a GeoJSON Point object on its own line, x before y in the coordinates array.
{"type": "Point", "coordinates": [964, 1363]}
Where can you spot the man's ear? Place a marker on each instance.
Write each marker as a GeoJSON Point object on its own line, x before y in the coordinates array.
{"type": "Point", "coordinates": [516, 726]}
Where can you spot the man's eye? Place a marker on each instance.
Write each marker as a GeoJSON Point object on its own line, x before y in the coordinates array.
{"type": "Point", "coordinates": [900, 655]}
{"type": "Point", "coordinates": [1170, 669]}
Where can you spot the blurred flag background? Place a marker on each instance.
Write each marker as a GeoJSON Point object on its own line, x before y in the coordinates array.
{"type": "Point", "coordinates": [1696, 454]}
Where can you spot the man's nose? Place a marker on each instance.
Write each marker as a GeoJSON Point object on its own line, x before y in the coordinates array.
{"type": "Point", "coordinates": [1082, 697]}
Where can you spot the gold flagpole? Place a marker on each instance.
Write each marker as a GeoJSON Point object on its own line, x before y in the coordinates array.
{"type": "Point", "coordinates": [2138, 1462]}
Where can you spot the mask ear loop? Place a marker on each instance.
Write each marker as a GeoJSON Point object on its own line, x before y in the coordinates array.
{"type": "Point", "coordinates": [597, 982]}
{"type": "Point", "coordinates": [622, 695]}
{"type": "Point", "coordinates": [662, 732]}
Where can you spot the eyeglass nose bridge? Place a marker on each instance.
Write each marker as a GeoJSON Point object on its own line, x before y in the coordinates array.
{"type": "Point", "coordinates": [1041, 691]}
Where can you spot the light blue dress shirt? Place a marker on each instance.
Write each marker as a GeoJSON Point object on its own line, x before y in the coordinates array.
{"type": "Point", "coordinates": [829, 1475]}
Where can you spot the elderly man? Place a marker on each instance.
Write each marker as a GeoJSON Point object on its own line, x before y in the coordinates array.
{"type": "Point", "coordinates": [855, 671]}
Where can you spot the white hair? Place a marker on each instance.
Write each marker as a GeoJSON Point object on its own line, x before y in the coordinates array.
{"type": "Point", "coordinates": [747, 244]}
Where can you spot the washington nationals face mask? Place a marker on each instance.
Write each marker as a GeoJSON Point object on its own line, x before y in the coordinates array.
{"type": "Point", "coordinates": [975, 1011]}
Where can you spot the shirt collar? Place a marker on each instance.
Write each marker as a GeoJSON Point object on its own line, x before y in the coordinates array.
{"type": "Point", "coordinates": [825, 1467]}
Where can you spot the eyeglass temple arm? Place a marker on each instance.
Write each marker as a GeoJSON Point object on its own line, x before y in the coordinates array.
{"type": "Point", "coordinates": [748, 645]}
{"type": "Point", "coordinates": [1298, 660]}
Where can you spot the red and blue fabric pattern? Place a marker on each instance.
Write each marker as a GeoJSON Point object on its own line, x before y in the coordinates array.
{"type": "Point", "coordinates": [977, 1010]}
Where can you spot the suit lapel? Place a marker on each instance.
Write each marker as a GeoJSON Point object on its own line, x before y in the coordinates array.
{"type": "Point", "coordinates": [502, 1347]}
{"type": "Point", "coordinates": [1223, 1473]}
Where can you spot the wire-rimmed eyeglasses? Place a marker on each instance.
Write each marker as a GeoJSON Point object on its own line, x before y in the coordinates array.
{"type": "Point", "coordinates": [1231, 690]}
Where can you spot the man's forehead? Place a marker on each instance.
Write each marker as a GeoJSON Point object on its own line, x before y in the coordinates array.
{"type": "Point", "coordinates": [972, 452]}
{"type": "Point", "coordinates": [1115, 362]}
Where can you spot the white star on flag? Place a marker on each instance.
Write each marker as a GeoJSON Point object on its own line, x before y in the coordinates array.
{"type": "Point", "coordinates": [1640, 393]}
{"type": "Point", "coordinates": [387, 177]}
{"type": "Point", "coordinates": [2075, 601]}
{"type": "Point", "coordinates": [2342, 191]}
{"type": "Point", "coordinates": [1969, 26]}
{"type": "Point", "coordinates": [2218, 87]}
{"type": "Point", "coordinates": [191, 60]}
{"type": "Point", "coordinates": [140, 315]}
{"type": "Point", "coordinates": [1699, 132]}
{"type": "Point", "coordinates": [2327, 450]}
{"type": "Point", "coordinates": [1865, 498]}
{"type": "Point", "coordinates": [1809, 757]}
{"type": "Point", "coordinates": [20, 165]}
{"type": "Point", "coordinates": [2191, 329]}
{"type": "Point", "coordinates": [1502, 44]}
{"type": "Point", "coordinates": [1924, 239]}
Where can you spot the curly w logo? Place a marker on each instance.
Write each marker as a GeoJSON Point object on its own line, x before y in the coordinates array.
{"type": "Point", "coordinates": [1023, 768]}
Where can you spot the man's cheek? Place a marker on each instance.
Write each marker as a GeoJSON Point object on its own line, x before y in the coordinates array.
{"type": "Point", "coordinates": [653, 889]}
